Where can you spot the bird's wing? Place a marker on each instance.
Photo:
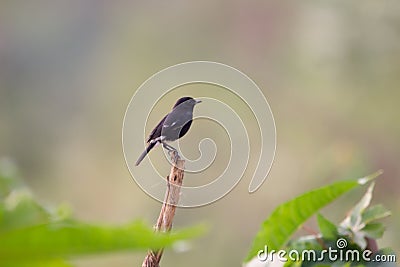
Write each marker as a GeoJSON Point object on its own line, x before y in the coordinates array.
{"type": "Point", "coordinates": [157, 130]}
{"type": "Point", "coordinates": [173, 125]}
{"type": "Point", "coordinates": [175, 120]}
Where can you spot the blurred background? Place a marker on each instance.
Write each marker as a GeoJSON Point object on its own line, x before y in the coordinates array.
{"type": "Point", "coordinates": [330, 71]}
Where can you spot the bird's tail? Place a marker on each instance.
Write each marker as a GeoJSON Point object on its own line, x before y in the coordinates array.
{"type": "Point", "coordinates": [145, 152]}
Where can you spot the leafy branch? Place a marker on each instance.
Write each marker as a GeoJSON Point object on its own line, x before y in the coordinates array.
{"type": "Point", "coordinates": [33, 235]}
{"type": "Point", "coordinates": [360, 227]}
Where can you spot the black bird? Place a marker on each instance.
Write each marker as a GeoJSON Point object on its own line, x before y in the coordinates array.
{"type": "Point", "coordinates": [172, 127]}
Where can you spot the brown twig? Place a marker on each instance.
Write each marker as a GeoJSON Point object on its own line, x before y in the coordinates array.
{"type": "Point", "coordinates": [167, 213]}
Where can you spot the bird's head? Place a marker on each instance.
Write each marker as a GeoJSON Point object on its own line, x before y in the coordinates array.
{"type": "Point", "coordinates": [187, 101]}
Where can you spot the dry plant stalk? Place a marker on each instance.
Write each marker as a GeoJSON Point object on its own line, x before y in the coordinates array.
{"type": "Point", "coordinates": [167, 213]}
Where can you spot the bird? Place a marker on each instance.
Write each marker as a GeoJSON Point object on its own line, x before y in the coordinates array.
{"type": "Point", "coordinates": [173, 126]}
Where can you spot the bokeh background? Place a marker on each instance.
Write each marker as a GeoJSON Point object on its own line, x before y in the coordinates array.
{"type": "Point", "coordinates": [329, 69]}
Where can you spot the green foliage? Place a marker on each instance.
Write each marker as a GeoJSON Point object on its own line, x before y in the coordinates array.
{"type": "Point", "coordinates": [69, 237]}
{"type": "Point", "coordinates": [328, 229]}
{"type": "Point", "coordinates": [358, 230]}
{"type": "Point", "coordinates": [374, 213]}
{"type": "Point", "coordinates": [288, 217]}
{"type": "Point", "coordinates": [32, 235]}
{"type": "Point", "coordinates": [360, 222]}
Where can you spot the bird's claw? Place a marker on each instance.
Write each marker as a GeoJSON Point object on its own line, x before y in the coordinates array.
{"type": "Point", "coordinates": [172, 152]}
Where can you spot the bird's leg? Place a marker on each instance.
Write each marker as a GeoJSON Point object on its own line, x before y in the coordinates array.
{"type": "Point", "coordinates": [171, 149]}
{"type": "Point", "coordinates": [168, 147]}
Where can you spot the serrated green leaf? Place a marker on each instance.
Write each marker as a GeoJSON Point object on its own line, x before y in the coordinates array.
{"type": "Point", "coordinates": [288, 217]}
{"type": "Point", "coordinates": [328, 229]}
{"type": "Point", "coordinates": [374, 230]}
{"type": "Point", "coordinates": [70, 238]}
{"type": "Point", "coordinates": [374, 213]}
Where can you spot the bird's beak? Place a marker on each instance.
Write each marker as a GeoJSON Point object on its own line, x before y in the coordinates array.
{"type": "Point", "coordinates": [198, 101]}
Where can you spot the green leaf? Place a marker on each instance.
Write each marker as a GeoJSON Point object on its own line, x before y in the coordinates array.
{"type": "Point", "coordinates": [328, 229]}
{"type": "Point", "coordinates": [20, 210]}
{"type": "Point", "coordinates": [357, 224]}
{"type": "Point", "coordinates": [374, 230]}
{"type": "Point", "coordinates": [69, 238]}
{"type": "Point", "coordinates": [45, 263]}
{"type": "Point", "coordinates": [288, 217]}
{"type": "Point", "coordinates": [354, 219]}
{"type": "Point", "coordinates": [374, 213]}
{"type": "Point", "coordinates": [32, 235]}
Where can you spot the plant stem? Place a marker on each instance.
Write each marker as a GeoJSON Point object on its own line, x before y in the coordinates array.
{"type": "Point", "coordinates": [167, 213]}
